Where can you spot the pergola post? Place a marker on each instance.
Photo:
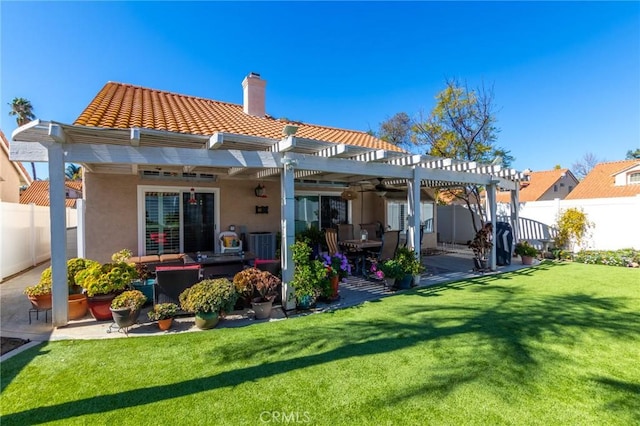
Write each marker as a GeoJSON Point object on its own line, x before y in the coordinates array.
{"type": "Point", "coordinates": [413, 213]}
{"type": "Point", "coordinates": [515, 213]}
{"type": "Point", "coordinates": [288, 231]}
{"type": "Point", "coordinates": [491, 198]}
{"type": "Point", "coordinates": [81, 230]}
{"type": "Point", "coordinates": [59, 287]}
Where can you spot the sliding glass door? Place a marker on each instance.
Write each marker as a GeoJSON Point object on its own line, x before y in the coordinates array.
{"type": "Point", "coordinates": [176, 220]}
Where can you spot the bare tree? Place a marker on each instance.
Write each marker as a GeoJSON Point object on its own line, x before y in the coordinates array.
{"type": "Point", "coordinates": [397, 130]}
{"type": "Point", "coordinates": [583, 166]}
{"type": "Point", "coordinates": [462, 126]}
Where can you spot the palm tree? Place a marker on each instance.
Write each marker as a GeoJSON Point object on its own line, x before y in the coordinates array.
{"type": "Point", "coordinates": [23, 110]}
{"type": "Point", "coordinates": [73, 172]}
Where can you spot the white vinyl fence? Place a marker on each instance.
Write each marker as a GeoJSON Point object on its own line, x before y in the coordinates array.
{"type": "Point", "coordinates": [616, 220]}
{"type": "Point", "coordinates": [25, 236]}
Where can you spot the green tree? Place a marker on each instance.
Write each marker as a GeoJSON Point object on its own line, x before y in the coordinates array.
{"type": "Point", "coordinates": [73, 172]}
{"type": "Point", "coordinates": [462, 126]}
{"type": "Point", "coordinates": [23, 111]}
{"type": "Point", "coordinates": [633, 155]}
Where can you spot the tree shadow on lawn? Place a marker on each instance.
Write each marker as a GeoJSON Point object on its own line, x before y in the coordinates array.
{"type": "Point", "coordinates": [495, 335]}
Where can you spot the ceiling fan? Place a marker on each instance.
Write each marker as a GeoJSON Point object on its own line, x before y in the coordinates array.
{"type": "Point", "coordinates": [381, 189]}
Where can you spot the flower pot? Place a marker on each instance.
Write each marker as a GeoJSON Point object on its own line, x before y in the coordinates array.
{"type": "Point", "coordinates": [124, 317]}
{"type": "Point", "coordinates": [416, 279]}
{"type": "Point", "coordinates": [146, 287]}
{"type": "Point", "coordinates": [335, 284]}
{"type": "Point", "coordinates": [78, 306]}
{"type": "Point", "coordinates": [206, 320]}
{"type": "Point", "coordinates": [41, 302]}
{"type": "Point", "coordinates": [100, 306]}
{"type": "Point", "coordinates": [305, 302]}
{"type": "Point", "coordinates": [480, 264]}
{"type": "Point", "coordinates": [405, 282]}
{"type": "Point", "coordinates": [165, 324]}
{"type": "Point", "coordinates": [389, 282]}
{"type": "Point", "coordinates": [527, 260]}
{"type": "Point", "coordinates": [262, 309]}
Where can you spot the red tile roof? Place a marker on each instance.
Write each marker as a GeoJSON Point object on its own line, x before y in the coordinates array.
{"type": "Point", "coordinates": [538, 184]}
{"type": "Point", "coordinates": [599, 183]}
{"type": "Point", "coordinates": [38, 193]}
{"type": "Point", "coordinates": [124, 106]}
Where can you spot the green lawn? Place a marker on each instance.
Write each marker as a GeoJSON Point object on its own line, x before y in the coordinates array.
{"type": "Point", "coordinates": [557, 344]}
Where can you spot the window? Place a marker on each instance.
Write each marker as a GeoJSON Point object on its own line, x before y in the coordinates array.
{"type": "Point", "coordinates": [397, 215]}
{"type": "Point", "coordinates": [555, 188]}
{"type": "Point", "coordinates": [634, 178]}
{"type": "Point", "coordinates": [171, 221]}
{"type": "Point", "coordinates": [570, 188]}
{"type": "Point", "coordinates": [320, 211]}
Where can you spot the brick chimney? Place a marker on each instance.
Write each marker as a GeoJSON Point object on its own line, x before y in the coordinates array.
{"type": "Point", "coordinates": [253, 99]}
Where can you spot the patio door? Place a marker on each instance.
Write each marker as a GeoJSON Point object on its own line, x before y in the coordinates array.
{"type": "Point", "coordinates": [176, 220]}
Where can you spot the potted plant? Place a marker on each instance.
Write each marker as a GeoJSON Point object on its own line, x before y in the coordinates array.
{"type": "Point", "coordinates": [526, 251]}
{"type": "Point", "coordinates": [481, 246]}
{"type": "Point", "coordinates": [258, 287]}
{"type": "Point", "coordinates": [126, 306]}
{"type": "Point", "coordinates": [309, 276]}
{"type": "Point", "coordinates": [392, 271]}
{"type": "Point", "coordinates": [207, 299]}
{"type": "Point", "coordinates": [338, 268]}
{"type": "Point", "coordinates": [164, 314]}
{"type": "Point", "coordinates": [411, 266]}
{"type": "Point", "coordinates": [101, 283]}
{"type": "Point", "coordinates": [40, 294]}
{"type": "Point", "coordinates": [314, 237]}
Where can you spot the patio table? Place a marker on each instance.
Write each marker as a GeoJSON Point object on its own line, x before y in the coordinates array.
{"type": "Point", "coordinates": [360, 246]}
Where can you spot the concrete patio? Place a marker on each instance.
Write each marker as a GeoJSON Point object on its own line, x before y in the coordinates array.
{"type": "Point", "coordinates": [447, 264]}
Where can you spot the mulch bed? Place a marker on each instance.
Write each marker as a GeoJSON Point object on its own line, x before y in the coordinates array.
{"type": "Point", "coordinates": [8, 344]}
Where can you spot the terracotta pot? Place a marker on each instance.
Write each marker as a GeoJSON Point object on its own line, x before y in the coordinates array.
{"type": "Point", "coordinates": [100, 306]}
{"type": "Point", "coordinates": [527, 260]}
{"type": "Point", "coordinates": [262, 309]}
{"type": "Point", "coordinates": [78, 306]}
{"type": "Point", "coordinates": [206, 320]}
{"type": "Point", "coordinates": [165, 324]}
{"type": "Point", "coordinates": [41, 302]}
{"type": "Point", "coordinates": [335, 284]}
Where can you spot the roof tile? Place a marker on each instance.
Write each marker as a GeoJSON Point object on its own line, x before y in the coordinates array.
{"type": "Point", "coordinates": [599, 183]}
{"type": "Point", "coordinates": [120, 105]}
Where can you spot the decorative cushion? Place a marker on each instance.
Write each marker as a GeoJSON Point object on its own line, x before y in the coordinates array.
{"type": "Point", "coordinates": [171, 257]}
{"type": "Point", "coordinates": [229, 241]}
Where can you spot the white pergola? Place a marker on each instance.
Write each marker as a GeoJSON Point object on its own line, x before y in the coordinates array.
{"type": "Point", "coordinates": [108, 150]}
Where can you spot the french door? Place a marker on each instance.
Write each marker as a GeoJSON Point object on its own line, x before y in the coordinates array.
{"type": "Point", "coordinates": [177, 219]}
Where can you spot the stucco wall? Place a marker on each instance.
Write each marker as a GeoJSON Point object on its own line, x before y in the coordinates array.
{"type": "Point", "coordinates": [111, 209]}
{"type": "Point", "coordinates": [564, 184]}
{"type": "Point", "coordinates": [10, 183]}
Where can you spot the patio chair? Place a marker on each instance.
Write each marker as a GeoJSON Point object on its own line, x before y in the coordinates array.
{"type": "Point", "coordinates": [331, 236]}
{"type": "Point", "coordinates": [372, 230]}
{"type": "Point", "coordinates": [173, 280]}
{"type": "Point", "coordinates": [230, 242]}
{"type": "Point", "coordinates": [345, 231]}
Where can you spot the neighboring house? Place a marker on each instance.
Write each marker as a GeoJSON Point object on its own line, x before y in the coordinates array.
{"type": "Point", "coordinates": [544, 185]}
{"type": "Point", "coordinates": [38, 193]}
{"type": "Point", "coordinates": [166, 173]}
{"type": "Point", "coordinates": [13, 175]}
{"type": "Point", "coordinates": [610, 180]}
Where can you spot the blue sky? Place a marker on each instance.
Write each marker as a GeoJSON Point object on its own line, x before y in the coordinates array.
{"type": "Point", "coordinates": [566, 76]}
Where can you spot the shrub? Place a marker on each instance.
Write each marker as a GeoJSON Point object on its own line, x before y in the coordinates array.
{"type": "Point", "coordinates": [624, 258]}
{"type": "Point", "coordinates": [309, 276]}
{"type": "Point", "coordinates": [252, 282]}
{"type": "Point", "coordinates": [163, 311]}
{"type": "Point", "coordinates": [210, 295]}
{"type": "Point", "coordinates": [572, 228]}
{"type": "Point", "coordinates": [74, 266]}
{"type": "Point", "coordinates": [523, 248]}
{"type": "Point", "coordinates": [409, 262]}
{"type": "Point", "coordinates": [107, 278]}
{"type": "Point", "coordinates": [132, 299]}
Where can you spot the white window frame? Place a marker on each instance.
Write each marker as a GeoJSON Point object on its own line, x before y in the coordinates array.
{"type": "Point", "coordinates": [141, 189]}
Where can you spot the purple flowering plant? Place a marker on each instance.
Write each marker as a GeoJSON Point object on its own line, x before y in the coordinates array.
{"type": "Point", "coordinates": [376, 272]}
{"type": "Point", "coordinates": [337, 264]}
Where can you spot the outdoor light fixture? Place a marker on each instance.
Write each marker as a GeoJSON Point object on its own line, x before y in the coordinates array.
{"type": "Point", "coordinates": [260, 191]}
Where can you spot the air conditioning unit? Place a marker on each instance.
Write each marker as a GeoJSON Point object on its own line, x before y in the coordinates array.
{"type": "Point", "coordinates": [263, 245]}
